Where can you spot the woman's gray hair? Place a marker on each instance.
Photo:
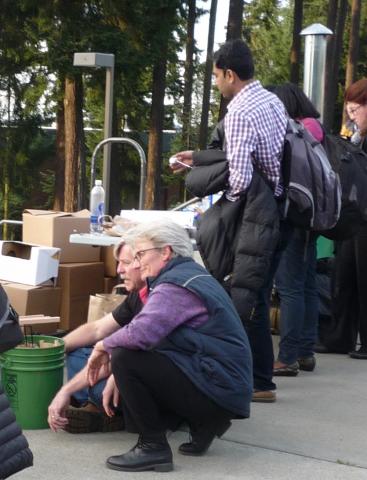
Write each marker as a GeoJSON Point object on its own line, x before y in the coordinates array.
{"type": "Point", "coordinates": [162, 233]}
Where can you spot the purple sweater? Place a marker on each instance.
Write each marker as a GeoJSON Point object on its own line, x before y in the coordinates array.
{"type": "Point", "coordinates": [168, 307]}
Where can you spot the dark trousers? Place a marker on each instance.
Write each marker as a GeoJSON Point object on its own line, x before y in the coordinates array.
{"type": "Point", "coordinates": [257, 326]}
{"type": "Point", "coordinates": [154, 391]}
{"type": "Point", "coordinates": [349, 295]}
{"type": "Point", "coordinates": [296, 284]}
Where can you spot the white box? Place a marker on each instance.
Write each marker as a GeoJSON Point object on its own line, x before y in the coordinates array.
{"type": "Point", "coordinates": [185, 219]}
{"type": "Point", "coordinates": [26, 263]}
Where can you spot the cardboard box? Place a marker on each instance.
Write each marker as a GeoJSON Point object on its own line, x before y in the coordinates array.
{"type": "Point", "coordinates": [29, 300]}
{"type": "Point", "coordinates": [77, 282]}
{"type": "Point", "coordinates": [39, 324]}
{"type": "Point", "coordinates": [46, 227]}
{"type": "Point", "coordinates": [25, 263]}
{"type": "Point", "coordinates": [109, 261]}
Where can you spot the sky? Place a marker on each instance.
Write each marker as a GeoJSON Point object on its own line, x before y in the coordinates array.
{"type": "Point", "coordinates": [201, 27]}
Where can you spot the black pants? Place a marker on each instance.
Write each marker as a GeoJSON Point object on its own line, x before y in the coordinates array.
{"type": "Point", "coordinates": [154, 391]}
{"type": "Point", "coordinates": [349, 295]}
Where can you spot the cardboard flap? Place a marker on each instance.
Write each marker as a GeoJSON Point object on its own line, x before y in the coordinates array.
{"type": "Point", "coordinates": [82, 213]}
{"type": "Point", "coordinates": [54, 213]}
{"type": "Point", "coordinates": [51, 213]}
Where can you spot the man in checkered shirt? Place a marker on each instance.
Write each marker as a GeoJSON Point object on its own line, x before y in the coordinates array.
{"type": "Point", "coordinates": [255, 126]}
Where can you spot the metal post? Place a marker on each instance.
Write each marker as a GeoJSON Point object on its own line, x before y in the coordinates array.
{"type": "Point", "coordinates": [107, 61]}
{"type": "Point", "coordinates": [143, 163]}
{"type": "Point", "coordinates": [107, 134]}
{"type": "Point", "coordinates": [314, 64]}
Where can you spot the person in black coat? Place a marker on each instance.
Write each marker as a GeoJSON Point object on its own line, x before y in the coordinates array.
{"type": "Point", "coordinates": [349, 279]}
{"type": "Point", "coordinates": [15, 454]}
{"type": "Point", "coordinates": [238, 242]}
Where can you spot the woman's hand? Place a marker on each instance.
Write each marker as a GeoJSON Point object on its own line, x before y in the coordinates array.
{"type": "Point", "coordinates": [110, 396]}
{"type": "Point", "coordinates": [98, 363]}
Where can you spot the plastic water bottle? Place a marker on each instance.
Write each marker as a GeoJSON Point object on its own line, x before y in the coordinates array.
{"type": "Point", "coordinates": [96, 207]}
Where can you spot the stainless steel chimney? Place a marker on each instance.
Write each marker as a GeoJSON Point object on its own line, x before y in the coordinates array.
{"type": "Point", "coordinates": [314, 64]}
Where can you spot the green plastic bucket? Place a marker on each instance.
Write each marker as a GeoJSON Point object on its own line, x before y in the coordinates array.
{"type": "Point", "coordinates": [31, 377]}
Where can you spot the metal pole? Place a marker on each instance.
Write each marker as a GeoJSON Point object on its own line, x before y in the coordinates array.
{"type": "Point", "coordinates": [314, 64]}
{"type": "Point", "coordinates": [107, 134]}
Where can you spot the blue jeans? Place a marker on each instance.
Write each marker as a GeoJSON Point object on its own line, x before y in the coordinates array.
{"type": "Point", "coordinates": [296, 284]}
{"type": "Point", "coordinates": [258, 325]}
{"type": "Point", "coordinates": [76, 361]}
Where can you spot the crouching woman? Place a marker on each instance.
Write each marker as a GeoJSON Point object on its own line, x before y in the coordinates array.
{"type": "Point", "coordinates": [186, 353]}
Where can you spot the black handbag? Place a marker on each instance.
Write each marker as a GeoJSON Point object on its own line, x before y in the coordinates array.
{"type": "Point", "coordinates": [10, 332]}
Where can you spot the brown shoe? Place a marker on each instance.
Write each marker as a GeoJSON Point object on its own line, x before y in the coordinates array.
{"type": "Point", "coordinates": [89, 418]}
{"type": "Point", "coordinates": [266, 396]}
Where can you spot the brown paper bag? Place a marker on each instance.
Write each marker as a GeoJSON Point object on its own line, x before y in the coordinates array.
{"type": "Point", "coordinates": [101, 304]}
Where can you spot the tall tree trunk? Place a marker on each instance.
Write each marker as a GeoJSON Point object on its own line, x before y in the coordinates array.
{"type": "Point", "coordinates": [234, 30]}
{"type": "Point", "coordinates": [203, 134]}
{"type": "Point", "coordinates": [353, 51]}
{"type": "Point", "coordinates": [72, 142]}
{"type": "Point", "coordinates": [82, 161]}
{"type": "Point", "coordinates": [189, 74]}
{"type": "Point", "coordinates": [296, 43]}
{"type": "Point", "coordinates": [60, 157]}
{"type": "Point", "coordinates": [153, 185]}
{"type": "Point", "coordinates": [334, 54]}
{"type": "Point", "coordinates": [235, 15]}
{"type": "Point", "coordinates": [118, 166]}
{"type": "Point", "coordinates": [6, 179]}
{"type": "Point", "coordinates": [331, 23]}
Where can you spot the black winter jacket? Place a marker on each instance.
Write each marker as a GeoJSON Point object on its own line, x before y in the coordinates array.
{"type": "Point", "coordinates": [14, 452]}
{"type": "Point", "coordinates": [236, 240]}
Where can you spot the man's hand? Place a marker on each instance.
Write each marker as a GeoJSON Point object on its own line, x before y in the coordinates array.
{"type": "Point", "coordinates": [98, 362]}
{"type": "Point", "coordinates": [56, 411]}
{"type": "Point", "coordinates": [110, 395]}
{"type": "Point", "coordinates": [184, 157]}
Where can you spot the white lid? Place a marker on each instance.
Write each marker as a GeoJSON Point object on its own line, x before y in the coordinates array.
{"type": "Point", "coordinates": [98, 183]}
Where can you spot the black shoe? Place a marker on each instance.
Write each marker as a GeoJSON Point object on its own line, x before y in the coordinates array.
{"type": "Point", "coordinates": [320, 348]}
{"type": "Point", "coordinates": [307, 364]}
{"type": "Point", "coordinates": [361, 354]}
{"type": "Point", "coordinates": [286, 370]}
{"type": "Point", "coordinates": [202, 438]}
{"type": "Point", "coordinates": [146, 455]}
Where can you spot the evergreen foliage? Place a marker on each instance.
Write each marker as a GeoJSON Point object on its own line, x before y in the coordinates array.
{"type": "Point", "coordinates": [37, 42]}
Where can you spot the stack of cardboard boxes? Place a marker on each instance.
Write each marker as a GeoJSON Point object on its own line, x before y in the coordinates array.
{"type": "Point", "coordinates": [81, 270]}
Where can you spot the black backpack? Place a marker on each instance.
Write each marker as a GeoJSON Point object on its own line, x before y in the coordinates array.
{"type": "Point", "coordinates": [312, 189]}
{"type": "Point", "coordinates": [10, 332]}
{"type": "Point", "coordinates": [350, 162]}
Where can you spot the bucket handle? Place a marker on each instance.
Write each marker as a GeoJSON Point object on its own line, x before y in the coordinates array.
{"type": "Point", "coordinates": [5, 362]}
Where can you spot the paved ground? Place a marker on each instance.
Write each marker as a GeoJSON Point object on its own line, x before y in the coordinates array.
{"type": "Point", "coordinates": [316, 430]}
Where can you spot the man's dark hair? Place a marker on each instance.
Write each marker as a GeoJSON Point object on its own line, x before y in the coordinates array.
{"type": "Point", "coordinates": [235, 55]}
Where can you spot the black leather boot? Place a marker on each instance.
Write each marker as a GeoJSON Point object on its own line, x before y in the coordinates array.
{"type": "Point", "coordinates": [150, 453]}
{"type": "Point", "coordinates": [202, 438]}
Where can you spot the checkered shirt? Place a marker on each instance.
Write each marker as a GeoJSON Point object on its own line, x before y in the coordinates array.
{"type": "Point", "coordinates": [255, 126]}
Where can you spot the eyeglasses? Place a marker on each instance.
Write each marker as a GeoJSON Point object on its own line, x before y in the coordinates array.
{"type": "Point", "coordinates": [140, 254]}
{"type": "Point", "coordinates": [353, 111]}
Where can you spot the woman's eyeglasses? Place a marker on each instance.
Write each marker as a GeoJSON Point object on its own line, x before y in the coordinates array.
{"type": "Point", "coordinates": [353, 111]}
{"type": "Point", "coordinates": [140, 254]}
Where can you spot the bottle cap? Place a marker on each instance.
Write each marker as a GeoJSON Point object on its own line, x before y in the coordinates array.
{"type": "Point", "coordinates": [98, 183]}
